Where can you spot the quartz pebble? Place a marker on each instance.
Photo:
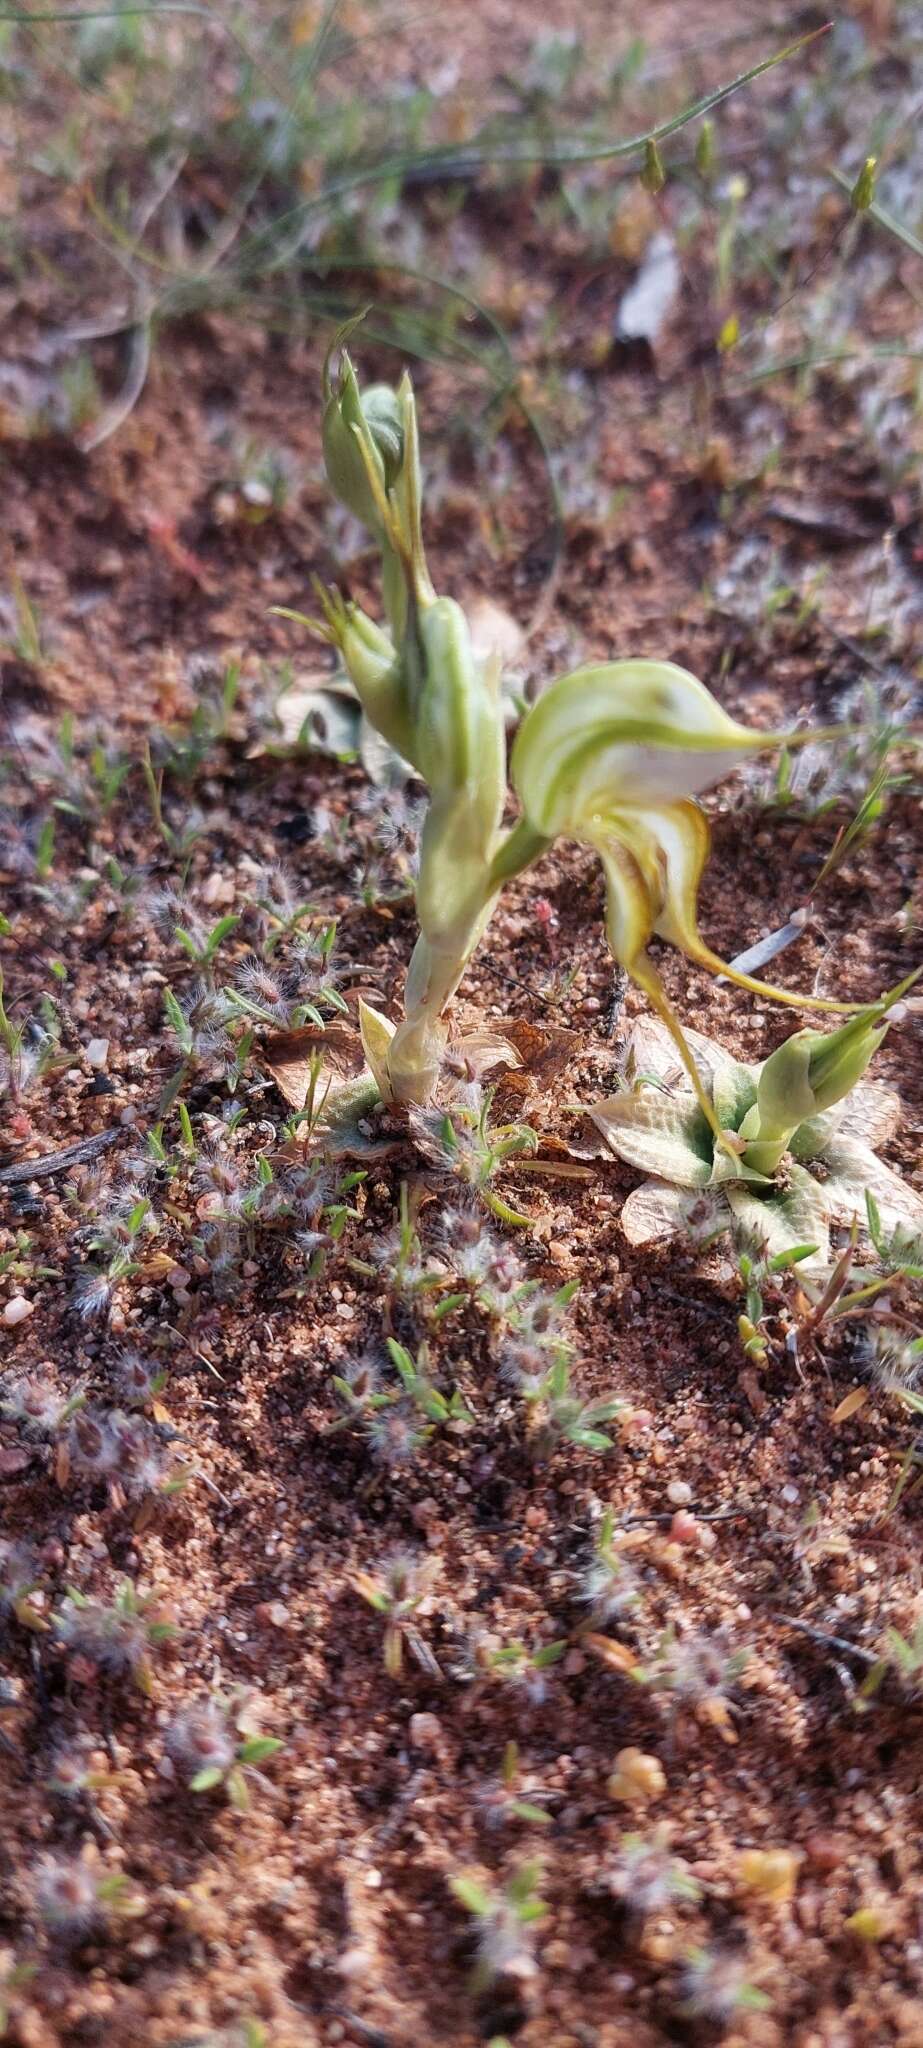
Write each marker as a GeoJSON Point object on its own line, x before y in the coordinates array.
{"type": "Point", "coordinates": [17, 1310]}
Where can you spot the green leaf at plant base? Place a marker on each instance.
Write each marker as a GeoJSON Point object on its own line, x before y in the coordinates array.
{"type": "Point", "coordinates": [871, 1113]}
{"type": "Point", "coordinates": [734, 1092]}
{"type": "Point", "coordinates": [660, 1134]}
{"type": "Point", "coordinates": [657, 1211]}
{"type": "Point", "coordinates": [851, 1170]}
{"type": "Point", "coordinates": [785, 1218]}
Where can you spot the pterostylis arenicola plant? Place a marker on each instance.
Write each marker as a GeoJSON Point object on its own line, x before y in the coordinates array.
{"type": "Point", "coordinates": [611, 755]}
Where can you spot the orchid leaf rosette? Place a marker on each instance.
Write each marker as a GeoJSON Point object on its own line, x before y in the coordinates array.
{"type": "Point", "coordinates": [612, 756]}
{"type": "Point", "coordinates": [800, 1129]}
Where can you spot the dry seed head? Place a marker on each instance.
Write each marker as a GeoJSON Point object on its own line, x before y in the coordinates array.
{"type": "Point", "coordinates": [200, 1738]}
{"type": "Point", "coordinates": [67, 1896]}
{"type": "Point", "coordinates": [34, 1402]}
{"type": "Point", "coordinates": [93, 1444]}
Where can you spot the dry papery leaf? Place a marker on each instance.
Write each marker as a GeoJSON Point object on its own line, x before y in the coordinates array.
{"type": "Point", "coordinates": [289, 1056]}
{"type": "Point", "coordinates": [616, 1655]}
{"type": "Point", "coordinates": [543, 1049]}
{"type": "Point", "coordinates": [320, 710]}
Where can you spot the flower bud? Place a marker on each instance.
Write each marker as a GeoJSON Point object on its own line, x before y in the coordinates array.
{"type": "Point", "coordinates": [811, 1072]}
{"type": "Point", "coordinates": [705, 150]}
{"type": "Point", "coordinates": [653, 175]}
{"type": "Point", "coordinates": [838, 1059]}
{"type": "Point", "coordinates": [369, 658]}
{"type": "Point", "coordinates": [863, 191]}
{"type": "Point", "coordinates": [363, 441]}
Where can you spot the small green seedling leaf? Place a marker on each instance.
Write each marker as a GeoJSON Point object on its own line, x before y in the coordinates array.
{"type": "Point", "coordinates": [206, 1780]}
{"type": "Point", "coordinates": [258, 1748]}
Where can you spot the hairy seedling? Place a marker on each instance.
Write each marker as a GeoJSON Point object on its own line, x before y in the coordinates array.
{"type": "Point", "coordinates": [645, 1876]}
{"type": "Point", "coordinates": [76, 1897]}
{"type": "Point", "coordinates": [715, 1985]}
{"type": "Point", "coordinates": [217, 1742]}
{"type": "Point", "coordinates": [116, 1237]}
{"type": "Point", "coordinates": [512, 1796]}
{"type": "Point", "coordinates": [555, 1413]}
{"type": "Point", "coordinates": [461, 1141]}
{"type": "Point", "coordinates": [695, 1671]}
{"type": "Point", "coordinates": [400, 1591]}
{"type": "Point", "coordinates": [609, 1584]}
{"type": "Point", "coordinates": [119, 1638]}
{"type": "Point", "coordinates": [504, 1920]}
{"type": "Point", "coordinates": [519, 1666]}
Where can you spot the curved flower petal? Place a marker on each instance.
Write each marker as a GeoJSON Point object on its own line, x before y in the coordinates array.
{"type": "Point", "coordinates": [624, 731]}
{"type": "Point", "coordinates": [683, 833]}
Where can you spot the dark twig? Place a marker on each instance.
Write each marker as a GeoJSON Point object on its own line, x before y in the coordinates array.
{"type": "Point", "coordinates": [822, 1635]}
{"type": "Point", "coordinates": [59, 1162]}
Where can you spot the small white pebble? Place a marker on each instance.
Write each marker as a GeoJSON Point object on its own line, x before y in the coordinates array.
{"type": "Point", "coordinates": [679, 1493]}
{"type": "Point", "coordinates": [790, 1494]}
{"type": "Point", "coordinates": [425, 1732]}
{"type": "Point", "coordinates": [17, 1310]}
{"type": "Point", "coordinates": [97, 1053]}
{"type": "Point", "coordinates": [356, 1962]}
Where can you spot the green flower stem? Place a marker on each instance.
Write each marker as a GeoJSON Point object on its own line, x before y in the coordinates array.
{"type": "Point", "coordinates": [434, 972]}
{"type": "Point", "coordinates": [520, 848]}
